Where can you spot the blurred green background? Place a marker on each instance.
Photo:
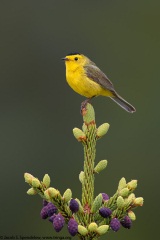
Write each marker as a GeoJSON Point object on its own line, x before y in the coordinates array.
{"type": "Point", "coordinates": [39, 110]}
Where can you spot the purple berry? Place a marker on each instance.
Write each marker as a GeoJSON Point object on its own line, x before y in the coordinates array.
{"type": "Point", "coordinates": [74, 206]}
{"type": "Point", "coordinates": [105, 197]}
{"type": "Point", "coordinates": [52, 218]}
{"type": "Point", "coordinates": [58, 222]}
{"type": "Point", "coordinates": [115, 224]}
{"type": "Point", "coordinates": [105, 212]}
{"type": "Point", "coordinates": [44, 212]}
{"type": "Point", "coordinates": [44, 203]}
{"type": "Point", "coordinates": [51, 209]}
{"type": "Point", "coordinates": [72, 227]}
{"type": "Point", "coordinates": [126, 222]}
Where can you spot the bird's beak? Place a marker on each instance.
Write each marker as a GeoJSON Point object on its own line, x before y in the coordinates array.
{"type": "Point", "coordinates": [65, 59]}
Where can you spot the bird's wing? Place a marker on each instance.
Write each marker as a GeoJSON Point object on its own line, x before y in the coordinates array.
{"type": "Point", "coordinates": [95, 74]}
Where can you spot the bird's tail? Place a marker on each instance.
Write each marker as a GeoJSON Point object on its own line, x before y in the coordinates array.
{"type": "Point", "coordinates": [123, 103]}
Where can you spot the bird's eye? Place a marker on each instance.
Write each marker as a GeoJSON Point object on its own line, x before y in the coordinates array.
{"type": "Point", "coordinates": [76, 58]}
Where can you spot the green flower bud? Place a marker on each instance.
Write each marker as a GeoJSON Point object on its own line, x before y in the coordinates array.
{"type": "Point", "coordinates": [36, 183]}
{"type": "Point", "coordinates": [28, 178]}
{"type": "Point", "coordinates": [80, 205]}
{"type": "Point", "coordinates": [67, 195]}
{"type": "Point", "coordinates": [46, 194]}
{"type": "Point", "coordinates": [131, 197]}
{"type": "Point", "coordinates": [102, 130]}
{"type": "Point", "coordinates": [81, 177]}
{"type": "Point", "coordinates": [124, 192]}
{"type": "Point", "coordinates": [132, 184]}
{"type": "Point", "coordinates": [82, 230]}
{"type": "Point", "coordinates": [120, 202]}
{"type": "Point", "coordinates": [138, 201]}
{"type": "Point", "coordinates": [88, 114]}
{"type": "Point", "coordinates": [122, 183]}
{"type": "Point", "coordinates": [92, 227]}
{"type": "Point", "coordinates": [53, 192]}
{"type": "Point", "coordinates": [79, 134]}
{"type": "Point", "coordinates": [102, 229]}
{"type": "Point", "coordinates": [31, 191]}
{"type": "Point", "coordinates": [97, 203]}
{"type": "Point", "coordinates": [127, 203]}
{"type": "Point", "coordinates": [131, 215]}
{"type": "Point", "coordinates": [46, 180]}
{"type": "Point", "coordinates": [84, 127]}
{"type": "Point", "coordinates": [100, 166]}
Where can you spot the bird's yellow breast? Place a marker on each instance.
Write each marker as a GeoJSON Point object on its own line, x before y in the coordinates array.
{"type": "Point", "coordinates": [81, 84]}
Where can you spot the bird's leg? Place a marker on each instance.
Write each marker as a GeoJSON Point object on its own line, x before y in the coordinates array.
{"type": "Point", "coordinates": [83, 105]}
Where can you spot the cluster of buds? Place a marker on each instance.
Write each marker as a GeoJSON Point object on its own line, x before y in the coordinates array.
{"type": "Point", "coordinates": [36, 185]}
{"type": "Point", "coordinates": [114, 212]}
{"type": "Point", "coordinates": [107, 213]}
{"type": "Point", "coordinates": [50, 210]}
{"type": "Point", "coordinates": [58, 209]}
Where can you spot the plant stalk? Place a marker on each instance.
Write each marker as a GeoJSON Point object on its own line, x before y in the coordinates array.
{"type": "Point", "coordinates": [89, 160]}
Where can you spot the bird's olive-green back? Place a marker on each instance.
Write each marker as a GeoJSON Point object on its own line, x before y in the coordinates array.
{"type": "Point", "coordinates": [95, 74]}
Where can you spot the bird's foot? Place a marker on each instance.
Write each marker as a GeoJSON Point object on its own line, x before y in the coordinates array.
{"type": "Point", "coordinates": [83, 106]}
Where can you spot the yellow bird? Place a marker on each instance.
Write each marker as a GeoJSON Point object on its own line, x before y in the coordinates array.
{"type": "Point", "coordinates": [85, 78]}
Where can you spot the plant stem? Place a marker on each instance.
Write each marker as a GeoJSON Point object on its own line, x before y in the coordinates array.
{"type": "Point", "coordinates": [89, 158]}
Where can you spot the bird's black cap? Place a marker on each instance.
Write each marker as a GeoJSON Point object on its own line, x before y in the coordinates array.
{"type": "Point", "coordinates": [73, 53]}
